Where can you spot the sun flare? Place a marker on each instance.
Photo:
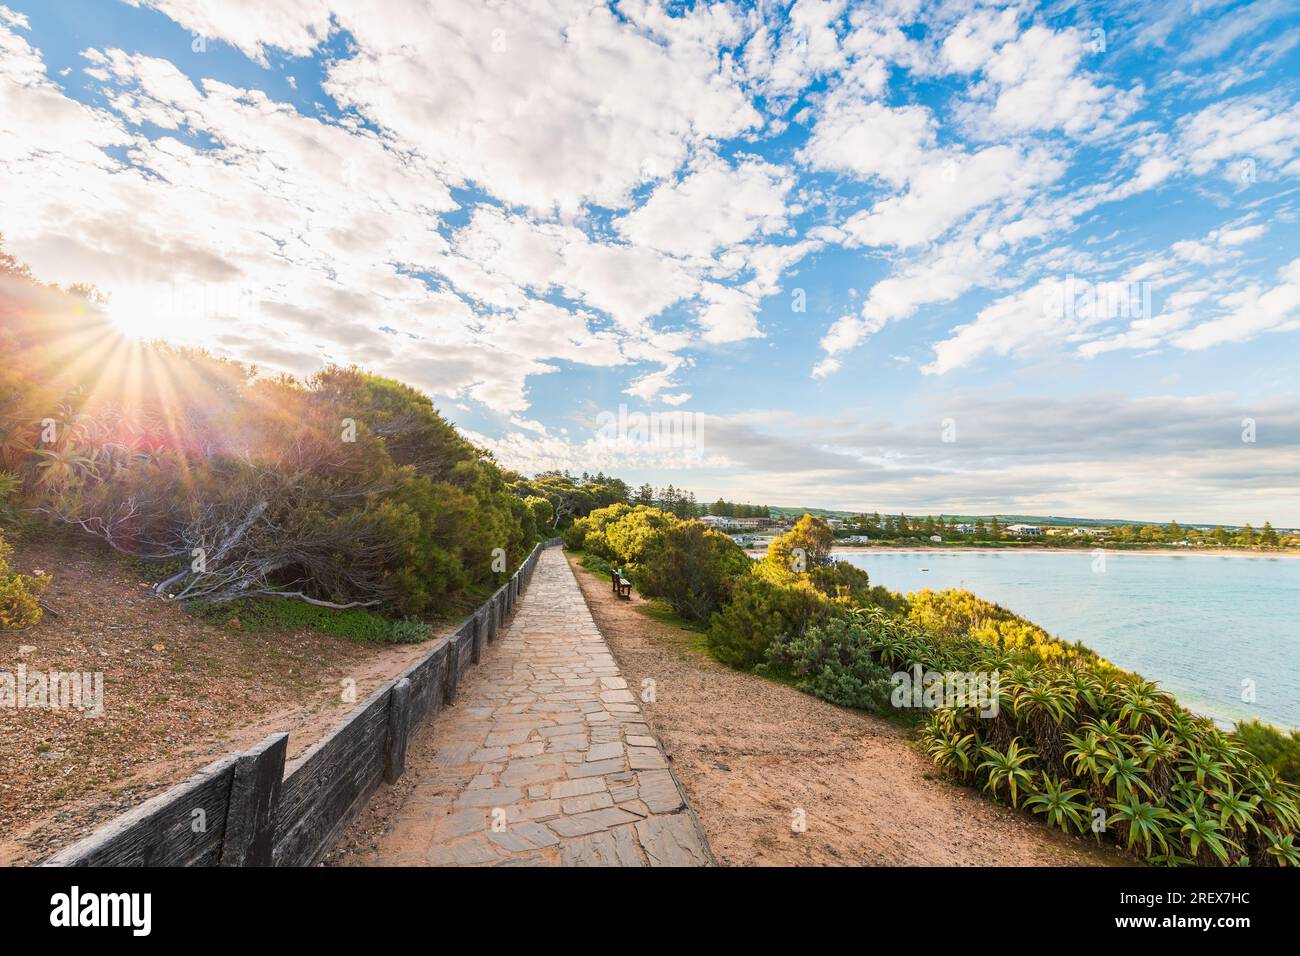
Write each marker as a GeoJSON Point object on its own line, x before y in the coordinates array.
{"type": "Point", "coordinates": [138, 315]}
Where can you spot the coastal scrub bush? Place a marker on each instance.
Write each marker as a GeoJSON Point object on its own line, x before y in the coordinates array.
{"type": "Point", "coordinates": [954, 612]}
{"type": "Point", "coordinates": [833, 661]}
{"type": "Point", "coordinates": [1167, 784]}
{"type": "Point", "coordinates": [1276, 748]}
{"type": "Point", "coordinates": [588, 533]}
{"type": "Point", "coordinates": [690, 566]}
{"type": "Point", "coordinates": [543, 513]}
{"type": "Point", "coordinates": [635, 532]}
{"type": "Point", "coordinates": [849, 584]}
{"type": "Point", "coordinates": [812, 536]}
{"type": "Point", "coordinates": [760, 612]}
{"type": "Point", "coordinates": [20, 594]}
{"type": "Point", "coordinates": [347, 489]}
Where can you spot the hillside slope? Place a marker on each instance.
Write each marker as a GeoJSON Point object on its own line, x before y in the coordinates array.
{"type": "Point", "coordinates": [178, 693]}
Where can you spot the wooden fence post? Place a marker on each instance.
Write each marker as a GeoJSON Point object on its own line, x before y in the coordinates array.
{"type": "Point", "coordinates": [399, 728]}
{"type": "Point", "coordinates": [254, 797]}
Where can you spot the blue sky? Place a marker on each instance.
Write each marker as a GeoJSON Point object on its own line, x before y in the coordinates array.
{"type": "Point", "coordinates": [955, 257]}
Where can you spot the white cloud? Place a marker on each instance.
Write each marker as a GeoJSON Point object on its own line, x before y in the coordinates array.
{"type": "Point", "coordinates": [1244, 136]}
{"type": "Point", "coordinates": [715, 206]}
{"type": "Point", "coordinates": [548, 107]}
{"type": "Point", "coordinates": [1251, 312]}
{"type": "Point", "coordinates": [1022, 324]}
{"type": "Point", "coordinates": [807, 45]}
{"type": "Point", "coordinates": [1219, 245]}
{"type": "Point", "coordinates": [867, 138]}
{"type": "Point", "coordinates": [1035, 82]}
{"type": "Point", "coordinates": [946, 188]}
{"type": "Point", "coordinates": [971, 43]}
{"type": "Point", "coordinates": [254, 26]}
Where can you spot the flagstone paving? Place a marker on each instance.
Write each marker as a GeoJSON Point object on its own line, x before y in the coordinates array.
{"type": "Point", "coordinates": [546, 758]}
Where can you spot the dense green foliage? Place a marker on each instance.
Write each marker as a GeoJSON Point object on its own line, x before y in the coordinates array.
{"type": "Point", "coordinates": [795, 587]}
{"type": "Point", "coordinates": [832, 662]}
{"type": "Point", "coordinates": [954, 612]}
{"type": "Point", "coordinates": [1279, 749]}
{"type": "Point", "coordinates": [762, 612]}
{"type": "Point", "coordinates": [691, 567]}
{"type": "Point", "coordinates": [346, 489]}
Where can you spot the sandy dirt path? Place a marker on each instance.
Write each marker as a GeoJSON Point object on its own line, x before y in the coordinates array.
{"type": "Point", "coordinates": [750, 752]}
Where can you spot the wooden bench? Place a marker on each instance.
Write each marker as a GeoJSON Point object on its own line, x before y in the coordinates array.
{"type": "Point", "coordinates": [622, 586]}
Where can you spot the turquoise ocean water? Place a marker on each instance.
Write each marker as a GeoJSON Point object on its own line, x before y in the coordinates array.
{"type": "Point", "coordinates": [1201, 625]}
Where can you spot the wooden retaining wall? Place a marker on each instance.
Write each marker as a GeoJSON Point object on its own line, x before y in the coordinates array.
{"type": "Point", "coordinates": [250, 809]}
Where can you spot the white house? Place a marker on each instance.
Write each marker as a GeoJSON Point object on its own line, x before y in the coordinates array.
{"type": "Point", "coordinates": [1025, 530]}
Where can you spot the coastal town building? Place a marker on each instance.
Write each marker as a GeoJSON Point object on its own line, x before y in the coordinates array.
{"type": "Point", "coordinates": [1025, 530]}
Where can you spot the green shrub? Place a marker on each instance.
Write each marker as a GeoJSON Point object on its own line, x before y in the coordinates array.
{"type": "Point", "coordinates": [592, 536]}
{"type": "Point", "coordinates": [812, 536]}
{"type": "Point", "coordinates": [760, 612]}
{"type": "Point", "coordinates": [348, 488]}
{"type": "Point", "coordinates": [691, 567]}
{"type": "Point", "coordinates": [834, 662]}
{"type": "Point", "coordinates": [850, 584]}
{"type": "Point", "coordinates": [575, 536]}
{"type": "Point", "coordinates": [596, 564]}
{"type": "Point", "coordinates": [637, 531]}
{"type": "Point", "coordinates": [954, 612]}
{"type": "Point", "coordinates": [20, 594]}
{"type": "Point", "coordinates": [1275, 748]}
{"type": "Point", "coordinates": [543, 513]}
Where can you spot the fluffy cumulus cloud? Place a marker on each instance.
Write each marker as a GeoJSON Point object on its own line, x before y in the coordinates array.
{"type": "Point", "coordinates": [1243, 137]}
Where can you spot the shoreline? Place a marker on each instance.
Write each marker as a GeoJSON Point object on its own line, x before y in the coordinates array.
{"type": "Point", "coordinates": [1179, 552]}
{"type": "Point", "coordinates": [1199, 707]}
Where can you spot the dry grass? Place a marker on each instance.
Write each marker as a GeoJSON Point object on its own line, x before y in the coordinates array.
{"type": "Point", "coordinates": [178, 692]}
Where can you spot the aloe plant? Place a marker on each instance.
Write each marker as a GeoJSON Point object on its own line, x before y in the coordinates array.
{"type": "Point", "coordinates": [1144, 821]}
{"type": "Point", "coordinates": [1059, 803]}
{"type": "Point", "coordinates": [1007, 769]}
{"type": "Point", "coordinates": [1201, 829]}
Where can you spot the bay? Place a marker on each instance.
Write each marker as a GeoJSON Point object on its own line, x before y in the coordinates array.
{"type": "Point", "coordinates": [1215, 630]}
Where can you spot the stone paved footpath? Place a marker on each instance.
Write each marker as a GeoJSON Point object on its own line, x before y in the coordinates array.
{"type": "Point", "coordinates": [546, 758]}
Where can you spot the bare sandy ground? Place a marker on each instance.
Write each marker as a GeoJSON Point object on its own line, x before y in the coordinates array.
{"type": "Point", "coordinates": [751, 752]}
{"type": "Point", "coordinates": [178, 694]}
